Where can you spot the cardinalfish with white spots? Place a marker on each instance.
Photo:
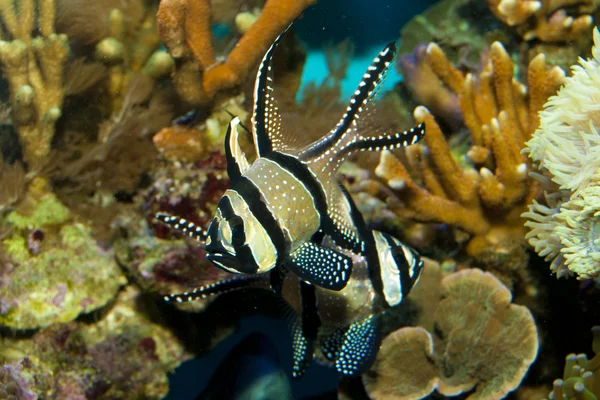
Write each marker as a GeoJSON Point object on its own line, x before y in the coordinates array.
{"type": "Point", "coordinates": [278, 209]}
{"type": "Point", "coordinates": [343, 327]}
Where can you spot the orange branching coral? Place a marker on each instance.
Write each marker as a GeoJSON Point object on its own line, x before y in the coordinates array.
{"type": "Point", "coordinates": [481, 341]}
{"type": "Point", "coordinates": [185, 27]}
{"type": "Point", "coordinates": [486, 202]}
{"type": "Point", "coordinates": [546, 20]}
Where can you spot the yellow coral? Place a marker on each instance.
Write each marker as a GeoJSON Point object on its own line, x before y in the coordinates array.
{"type": "Point", "coordinates": [546, 20]}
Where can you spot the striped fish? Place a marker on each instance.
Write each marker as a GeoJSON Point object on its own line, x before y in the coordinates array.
{"type": "Point", "coordinates": [276, 206]}
{"type": "Point", "coordinates": [342, 326]}
{"type": "Point", "coordinates": [346, 322]}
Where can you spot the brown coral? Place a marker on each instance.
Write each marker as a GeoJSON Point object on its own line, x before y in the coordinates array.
{"type": "Point", "coordinates": [546, 20]}
{"type": "Point", "coordinates": [486, 202]}
{"type": "Point", "coordinates": [185, 27]}
{"type": "Point", "coordinates": [481, 340]}
{"type": "Point", "coordinates": [34, 69]}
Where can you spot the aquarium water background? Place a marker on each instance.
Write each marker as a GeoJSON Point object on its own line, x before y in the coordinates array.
{"type": "Point", "coordinates": [114, 111]}
{"type": "Point", "coordinates": [370, 26]}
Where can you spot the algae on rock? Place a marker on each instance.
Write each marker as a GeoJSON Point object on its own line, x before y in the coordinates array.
{"type": "Point", "coordinates": [57, 270]}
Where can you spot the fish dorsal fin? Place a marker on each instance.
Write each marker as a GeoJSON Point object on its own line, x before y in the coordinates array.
{"type": "Point", "coordinates": [358, 130]}
{"type": "Point", "coordinates": [237, 163]}
{"type": "Point", "coordinates": [266, 119]}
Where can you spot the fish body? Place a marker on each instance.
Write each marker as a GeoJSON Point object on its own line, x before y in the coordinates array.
{"type": "Point", "coordinates": [277, 208]}
{"type": "Point", "coordinates": [340, 326]}
{"type": "Point", "coordinates": [344, 325]}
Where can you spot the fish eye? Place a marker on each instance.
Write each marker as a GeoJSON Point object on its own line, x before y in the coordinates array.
{"type": "Point", "coordinates": [238, 236]}
{"type": "Point", "coordinates": [236, 222]}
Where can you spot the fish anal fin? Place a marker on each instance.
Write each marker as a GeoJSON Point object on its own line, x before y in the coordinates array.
{"type": "Point", "coordinates": [321, 266]}
{"type": "Point", "coordinates": [330, 347]}
{"type": "Point", "coordinates": [359, 347]}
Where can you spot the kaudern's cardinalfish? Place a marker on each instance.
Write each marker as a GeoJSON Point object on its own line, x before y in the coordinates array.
{"type": "Point", "coordinates": [277, 208]}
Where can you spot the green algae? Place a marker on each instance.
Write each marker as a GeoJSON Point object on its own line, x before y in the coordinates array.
{"type": "Point", "coordinates": [48, 211]}
{"type": "Point", "coordinates": [67, 276]}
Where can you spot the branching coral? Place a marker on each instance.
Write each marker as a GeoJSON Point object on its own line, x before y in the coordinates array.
{"type": "Point", "coordinates": [185, 27]}
{"type": "Point", "coordinates": [581, 379]}
{"type": "Point", "coordinates": [566, 146]}
{"type": "Point", "coordinates": [546, 20]}
{"type": "Point", "coordinates": [34, 68]}
{"type": "Point", "coordinates": [124, 35]}
{"type": "Point", "coordinates": [486, 202]}
{"type": "Point", "coordinates": [481, 341]}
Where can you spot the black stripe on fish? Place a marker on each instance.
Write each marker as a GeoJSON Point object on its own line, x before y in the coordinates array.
{"type": "Point", "coordinates": [266, 121]}
{"type": "Point", "coordinates": [408, 263]}
{"type": "Point", "coordinates": [360, 97]}
{"type": "Point", "coordinates": [253, 198]}
{"type": "Point", "coordinates": [297, 168]}
{"type": "Point", "coordinates": [393, 276]}
{"type": "Point", "coordinates": [251, 195]}
{"type": "Point", "coordinates": [371, 254]}
{"type": "Point", "coordinates": [182, 225]}
{"type": "Point", "coordinates": [304, 334]}
{"type": "Point", "coordinates": [243, 261]}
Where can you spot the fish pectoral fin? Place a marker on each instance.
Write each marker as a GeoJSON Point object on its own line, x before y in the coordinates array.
{"type": "Point", "coordinates": [237, 163]}
{"type": "Point", "coordinates": [357, 347]}
{"type": "Point", "coordinates": [217, 288]}
{"type": "Point", "coordinates": [320, 266]}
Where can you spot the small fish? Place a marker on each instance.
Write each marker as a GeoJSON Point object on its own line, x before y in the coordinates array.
{"type": "Point", "coordinates": [343, 326]}
{"type": "Point", "coordinates": [276, 206]}
{"type": "Point", "coordinates": [346, 323]}
{"type": "Point", "coordinates": [186, 119]}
